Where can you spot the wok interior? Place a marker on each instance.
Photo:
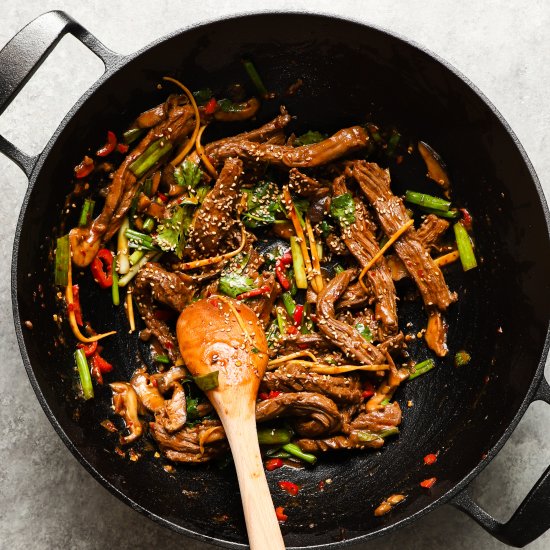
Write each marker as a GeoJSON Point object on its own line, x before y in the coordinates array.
{"type": "Point", "coordinates": [501, 317]}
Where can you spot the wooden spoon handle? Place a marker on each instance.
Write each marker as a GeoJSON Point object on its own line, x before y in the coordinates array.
{"type": "Point", "coordinates": [263, 528]}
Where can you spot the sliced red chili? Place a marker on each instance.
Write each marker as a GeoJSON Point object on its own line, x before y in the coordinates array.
{"type": "Point", "coordinates": [428, 483]}
{"type": "Point", "coordinates": [211, 107]}
{"type": "Point", "coordinates": [273, 464]}
{"type": "Point", "coordinates": [96, 373]}
{"type": "Point", "coordinates": [298, 314]}
{"type": "Point", "coordinates": [100, 363]}
{"type": "Point", "coordinates": [109, 146]}
{"type": "Point", "coordinates": [291, 488]}
{"type": "Point", "coordinates": [75, 306]}
{"type": "Point", "coordinates": [286, 258]}
{"type": "Point", "coordinates": [466, 219]}
{"type": "Point", "coordinates": [430, 459]}
{"type": "Point", "coordinates": [101, 268]}
{"type": "Point", "coordinates": [122, 148]}
{"type": "Point", "coordinates": [291, 329]}
{"type": "Point", "coordinates": [280, 513]}
{"type": "Point", "coordinates": [263, 396]}
{"type": "Point", "coordinates": [84, 168]}
{"type": "Point", "coordinates": [281, 275]}
{"type": "Point", "coordinates": [273, 394]}
{"type": "Point", "coordinates": [89, 349]}
{"type": "Point", "coordinates": [254, 293]}
{"type": "Point", "coordinates": [162, 197]}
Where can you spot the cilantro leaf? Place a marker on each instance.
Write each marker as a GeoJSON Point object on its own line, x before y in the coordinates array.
{"type": "Point", "coordinates": [343, 209]}
{"type": "Point", "coordinates": [309, 138]}
{"type": "Point", "coordinates": [232, 284]}
{"type": "Point", "coordinates": [364, 331]}
{"type": "Point", "coordinates": [263, 205]}
{"type": "Point", "coordinates": [188, 174]}
{"type": "Point", "coordinates": [202, 96]}
{"type": "Point", "coordinates": [171, 231]}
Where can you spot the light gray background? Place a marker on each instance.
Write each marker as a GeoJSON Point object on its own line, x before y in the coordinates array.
{"type": "Point", "coordinates": [47, 500]}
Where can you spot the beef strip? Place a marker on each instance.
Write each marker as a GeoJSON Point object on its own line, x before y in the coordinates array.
{"type": "Point", "coordinates": [214, 219]}
{"type": "Point", "coordinates": [336, 443]}
{"type": "Point", "coordinates": [321, 413]}
{"type": "Point", "coordinates": [341, 143]}
{"type": "Point", "coordinates": [375, 184]}
{"type": "Point", "coordinates": [270, 132]}
{"type": "Point", "coordinates": [86, 241]}
{"type": "Point", "coordinates": [305, 185]}
{"type": "Point", "coordinates": [362, 243]}
{"type": "Point", "coordinates": [300, 342]}
{"type": "Point", "coordinates": [174, 290]}
{"type": "Point", "coordinates": [263, 305]}
{"type": "Point", "coordinates": [378, 420]}
{"type": "Point", "coordinates": [341, 334]}
{"type": "Point", "coordinates": [354, 296]}
{"type": "Point", "coordinates": [436, 333]}
{"type": "Point", "coordinates": [295, 378]}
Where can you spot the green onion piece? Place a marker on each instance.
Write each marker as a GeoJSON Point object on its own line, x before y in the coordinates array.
{"type": "Point", "coordinates": [62, 259]}
{"type": "Point", "coordinates": [367, 437]}
{"type": "Point", "coordinates": [132, 134]}
{"type": "Point", "coordinates": [385, 402]}
{"type": "Point", "coordinates": [427, 201]}
{"type": "Point", "coordinates": [162, 359]}
{"type": "Point", "coordinates": [388, 432]}
{"type": "Point", "coordinates": [298, 263]}
{"type": "Point", "coordinates": [255, 77]}
{"type": "Point", "coordinates": [150, 157]}
{"type": "Point", "coordinates": [288, 302]}
{"type": "Point", "coordinates": [293, 449]}
{"type": "Point", "coordinates": [290, 276]}
{"type": "Point", "coordinates": [148, 257]}
{"type": "Point", "coordinates": [364, 331]}
{"type": "Point", "coordinates": [465, 248]}
{"type": "Point", "coordinates": [277, 453]}
{"type": "Point", "coordinates": [338, 269]}
{"type": "Point", "coordinates": [140, 240]}
{"type": "Point", "coordinates": [281, 323]}
{"type": "Point", "coordinates": [86, 213]}
{"type": "Point", "coordinates": [271, 333]}
{"type": "Point", "coordinates": [309, 138]}
{"type": "Point", "coordinates": [207, 381]}
{"type": "Point", "coordinates": [148, 225]}
{"type": "Point", "coordinates": [393, 142]}
{"type": "Point", "coordinates": [123, 262]}
{"type": "Point", "coordinates": [450, 214]}
{"type": "Point", "coordinates": [462, 358]}
{"type": "Point", "coordinates": [274, 436]}
{"type": "Point", "coordinates": [147, 187]}
{"type": "Point", "coordinates": [114, 288]}
{"type": "Point", "coordinates": [421, 368]}
{"type": "Point", "coordinates": [136, 257]}
{"type": "Point", "coordinates": [84, 373]}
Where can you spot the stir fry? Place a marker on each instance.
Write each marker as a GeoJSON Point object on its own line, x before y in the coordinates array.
{"type": "Point", "coordinates": [304, 230]}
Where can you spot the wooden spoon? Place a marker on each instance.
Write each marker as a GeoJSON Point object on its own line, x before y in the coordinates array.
{"type": "Point", "coordinates": [223, 335]}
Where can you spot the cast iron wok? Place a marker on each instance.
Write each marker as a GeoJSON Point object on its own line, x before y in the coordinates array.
{"type": "Point", "coordinates": [502, 316]}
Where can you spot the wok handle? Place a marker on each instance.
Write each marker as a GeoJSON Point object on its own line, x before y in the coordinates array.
{"type": "Point", "coordinates": [531, 519]}
{"type": "Point", "coordinates": [25, 52]}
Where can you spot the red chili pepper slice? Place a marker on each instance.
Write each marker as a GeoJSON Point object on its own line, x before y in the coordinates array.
{"type": "Point", "coordinates": [101, 268]}
{"type": "Point", "coordinates": [162, 197]}
{"type": "Point", "coordinates": [211, 107]}
{"type": "Point", "coordinates": [428, 483]}
{"type": "Point", "coordinates": [96, 373]}
{"type": "Point", "coordinates": [280, 513]}
{"type": "Point", "coordinates": [75, 306]}
{"type": "Point", "coordinates": [89, 349]}
{"type": "Point", "coordinates": [84, 168]}
{"type": "Point", "coordinates": [466, 219]}
{"type": "Point", "coordinates": [298, 314]}
{"type": "Point", "coordinates": [286, 258]}
{"type": "Point", "coordinates": [281, 275]}
{"type": "Point", "coordinates": [122, 148]}
{"type": "Point", "coordinates": [100, 363]}
{"type": "Point", "coordinates": [430, 459]}
{"type": "Point", "coordinates": [273, 464]}
{"type": "Point", "coordinates": [292, 329]}
{"type": "Point", "coordinates": [291, 488]}
{"type": "Point", "coordinates": [262, 396]}
{"type": "Point", "coordinates": [253, 293]}
{"type": "Point", "coordinates": [109, 146]}
{"type": "Point", "coordinates": [273, 394]}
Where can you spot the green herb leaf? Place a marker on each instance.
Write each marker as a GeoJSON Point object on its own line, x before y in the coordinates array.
{"type": "Point", "coordinates": [462, 358]}
{"type": "Point", "coordinates": [188, 174]}
{"type": "Point", "coordinates": [202, 192]}
{"type": "Point", "coordinates": [343, 209]}
{"type": "Point", "coordinates": [309, 138]}
{"type": "Point", "coordinates": [364, 331]}
{"type": "Point", "coordinates": [228, 106]}
{"type": "Point", "coordinates": [202, 96]}
{"type": "Point", "coordinates": [162, 359]}
{"type": "Point", "coordinates": [232, 284]}
{"type": "Point", "coordinates": [326, 228]}
{"type": "Point", "coordinates": [263, 205]}
{"type": "Point", "coordinates": [207, 381]}
{"type": "Point", "coordinates": [192, 410]}
{"type": "Point", "coordinates": [170, 236]}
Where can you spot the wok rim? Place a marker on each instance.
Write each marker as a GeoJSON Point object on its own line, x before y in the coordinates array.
{"type": "Point", "coordinates": [122, 62]}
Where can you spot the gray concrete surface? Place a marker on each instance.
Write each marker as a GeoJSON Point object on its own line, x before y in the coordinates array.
{"type": "Point", "coordinates": [47, 500]}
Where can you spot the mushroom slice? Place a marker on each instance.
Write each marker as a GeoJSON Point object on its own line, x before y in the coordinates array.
{"type": "Point", "coordinates": [125, 402]}
{"type": "Point", "coordinates": [436, 167]}
{"type": "Point", "coordinates": [174, 413]}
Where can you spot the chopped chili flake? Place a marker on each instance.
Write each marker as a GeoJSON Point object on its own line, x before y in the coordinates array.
{"type": "Point", "coordinates": [291, 488]}
{"type": "Point", "coordinates": [428, 483]}
{"type": "Point", "coordinates": [84, 168]}
{"type": "Point", "coordinates": [291, 329]}
{"type": "Point", "coordinates": [321, 485]}
{"type": "Point", "coordinates": [367, 393]}
{"type": "Point", "coordinates": [122, 148]}
{"type": "Point", "coordinates": [280, 513]}
{"type": "Point", "coordinates": [101, 268]}
{"type": "Point", "coordinates": [273, 464]}
{"type": "Point", "coordinates": [430, 459]}
{"type": "Point", "coordinates": [263, 396]}
{"type": "Point", "coordinates": [466, 219]}
{"type": "Point", "coordinates": [273, 394]}
{"type": "Point", "coordinates": [162, 197]}
{"type": "Point", "coordinates": [211, 107]}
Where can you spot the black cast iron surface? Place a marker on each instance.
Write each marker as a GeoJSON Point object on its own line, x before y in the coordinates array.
{"type": "Point", "coordinates": [349, 71]}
